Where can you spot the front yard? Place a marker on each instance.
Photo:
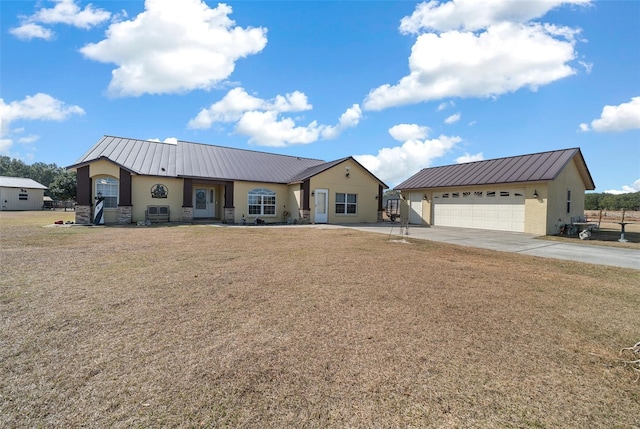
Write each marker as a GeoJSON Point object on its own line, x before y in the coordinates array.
{"type": "Point", "coordinates": [202, 326]}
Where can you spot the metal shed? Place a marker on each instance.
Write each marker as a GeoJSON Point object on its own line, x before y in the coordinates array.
{"type": "Point", "coordinates": [18, 193]}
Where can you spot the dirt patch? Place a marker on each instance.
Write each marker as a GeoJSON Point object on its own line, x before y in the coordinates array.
{"type": "Point", "coordinates": [302, 327]}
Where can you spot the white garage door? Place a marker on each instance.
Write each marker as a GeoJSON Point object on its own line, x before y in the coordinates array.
{"type": "Point", "coordinates": [501, 210]}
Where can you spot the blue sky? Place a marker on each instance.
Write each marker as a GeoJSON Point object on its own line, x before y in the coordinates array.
{"type": "Point", "coordinates": [400, 85]}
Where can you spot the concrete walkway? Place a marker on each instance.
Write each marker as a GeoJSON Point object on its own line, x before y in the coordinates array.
{"type": "Point", "coordinates": [515, 242]}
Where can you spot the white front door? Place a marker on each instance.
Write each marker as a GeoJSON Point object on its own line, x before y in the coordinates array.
{"type": "Point", "coordinates": [322, 206]}
{"type": "Point", "coordinates": [204, 200]}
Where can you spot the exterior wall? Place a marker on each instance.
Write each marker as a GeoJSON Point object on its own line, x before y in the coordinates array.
{"type": "Point", "coordinates": [295, 202]}
{"type": "Point", "coordinates": [359, 182]}
{"type": "Point", "coordinates": [535, 209]}
{"type": "Point", "coordinates": [10, 199]}
{"type": "Point", "coordinates": [141, 196]}
{"type": "Point", "coordinates": [241, 201]}
{"type": "Point", "coordinates": [557, 215]}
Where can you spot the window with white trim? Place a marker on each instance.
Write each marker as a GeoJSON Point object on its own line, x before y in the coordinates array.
{"type": "Point", "coordinates": [262, 202]}
{"type": "Point", "coordinates": [108, 187]}
{"type": "Point", "coordinates": [568, 201]}
{"type": "Point", "coordinates": [346, 203]}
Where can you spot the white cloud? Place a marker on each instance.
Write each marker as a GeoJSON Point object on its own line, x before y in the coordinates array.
{"type": "Point", "coordinates": [64, 12]}
{"type": "Point", "coordinates": [467, 157]}
{"type": "Point", "coordinates": [503, 59]}
{"type": "Point", "coordinates": [168, 140]}
{"type": "Point", "coordinates": [453, 118]}
{"type": "Point", "coordinates": [470, 48]}
{"type": "Point", "coordinates": [626, 189]}
{"type": "Point", "coordinates": [350, 118]}
{"type": "Point", "coordinates": [583, 128]}
{"type": "Point", "coordinates": [623, 117]}
{"type": "Point", "coordinates": [471, 15]}
{"type": "Point", "coordinates": [68, 12]}
{"type": "Point", "coordinates": [173, 47]}
{"type": "Point", "coordinates": [29, 30]}
{"type": "Point", "coordinates": [237, 102]}
{"type": "Point", "coordinates": [32, 138]}
{"type": "Point", "coordinates": [39, 107]}
{"type": "Point", "coordinates": [262, 121]}
{"type": "Point", "coordinates": [395, 164]}
{"type": "Point", "coordinates": [445, 105]}
{"type": "Point", "coordinates": [404, 132]}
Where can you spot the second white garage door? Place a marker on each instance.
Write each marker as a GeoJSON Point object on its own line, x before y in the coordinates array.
{"type": "Point", "coordinates": [501, 210]}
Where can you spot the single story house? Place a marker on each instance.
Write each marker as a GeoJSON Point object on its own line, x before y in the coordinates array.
{"type": "Point", "coordinates": [18, 193]}
{"type": "Point", "coordinates": [142, 180]}
{"type": "Point", "coordinates": [536, 193]}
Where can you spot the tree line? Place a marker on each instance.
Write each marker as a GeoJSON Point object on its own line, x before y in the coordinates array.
{"type": "Point", "coordinates": [61, 182]}
{"type": "Point", "coordinates": [598, 201]}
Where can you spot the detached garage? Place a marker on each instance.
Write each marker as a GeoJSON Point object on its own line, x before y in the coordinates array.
{"type": "Point", "coordinates": [536, 193]}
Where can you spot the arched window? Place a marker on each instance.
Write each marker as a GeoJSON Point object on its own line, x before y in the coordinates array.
{"type": "Point", "coordinates": [262, 202]}
{"type": "Point", "coordinates": [108, 187]}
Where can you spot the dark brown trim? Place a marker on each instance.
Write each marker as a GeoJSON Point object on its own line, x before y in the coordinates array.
{"type": "Point", "coordinates": [228, 195]}
{"type": "Point", "coordinates": [306, 194]}
{"type": "Point", "coordinates": [125, 188]}
{"type": "Point", "coordinates": [83, 187]}
{"type": "Point", "coordinates": [187, 189]}
{"type": "Point", "coordinates": [380, 191]}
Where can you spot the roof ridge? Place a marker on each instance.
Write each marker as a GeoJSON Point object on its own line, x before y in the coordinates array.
{"type": "Point", "coordinates": [250, 150]}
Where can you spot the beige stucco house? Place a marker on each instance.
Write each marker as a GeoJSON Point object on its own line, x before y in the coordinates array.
{"type": "Point", "coordinates": [536, 193]}
{"type": "Point", "coordinates": [142, 180]}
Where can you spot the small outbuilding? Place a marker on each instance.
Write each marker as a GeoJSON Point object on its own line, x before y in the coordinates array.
{"type": "Point", "coordinates": [19, 193]}
{"type": "Point", "coordinates": [536, 193]}
{"type": "Point", "coordinates": [142, 180]}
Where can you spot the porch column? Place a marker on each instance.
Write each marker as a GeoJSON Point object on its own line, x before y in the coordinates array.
{"type": "Point", "coordinates": [124, 205]}
{"type": "Point", "coordinates": [305, 212]}
{"type": "Point", "coordinates": [229, 209]}
{"type": "Point", "coordinates": [187, 204]}
{"type": "Point", "coordinates": [380, 208]}
{"type": "Point", "coordinates": [83, 196]}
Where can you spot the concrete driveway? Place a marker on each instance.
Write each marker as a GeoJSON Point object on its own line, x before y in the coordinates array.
{"type": "Point", "coordinates": [515, 242]}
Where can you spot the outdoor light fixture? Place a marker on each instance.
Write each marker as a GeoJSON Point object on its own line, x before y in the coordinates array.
{"type": "Point", "coordinates": [376, 197]}
{"type": "Point", "coordinates": [535, 193]}
{"type": "Point", "coordinates": [347, 174]}
{"type": "Point", "coordinates": [424, 197]}
{"type": "Point", "coordinates": [99, 195]}
{"type": "Point", "coordinates": [348, 171]}
{"type": "Point", "coordinates": [313, 193]}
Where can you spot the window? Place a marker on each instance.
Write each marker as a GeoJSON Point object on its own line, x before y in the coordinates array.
{"type": "Point", "coordinates": [568, 200]}
{"type": "Point", "coordinates": [262, 202]}
{"type": "Point", "coordinates": [466, 194]}
{"type": "Point", "coordinates": [23, 196]}
{"type": "Point", "coordinates": [455, 195]}
{"type": "Point", "coordinates": [477, 194]}
{"type": "Point", "coordinates": [504, 193]}
{"type": "Point", "coordinates": [491, 194]}
{"type": "Point", "coordinates": [108, 187]}
{"type": "Point", "coordinates": [346, 203]}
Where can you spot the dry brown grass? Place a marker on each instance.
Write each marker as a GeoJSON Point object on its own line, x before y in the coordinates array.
{"type": "Point", "coordinates": [202, 326]}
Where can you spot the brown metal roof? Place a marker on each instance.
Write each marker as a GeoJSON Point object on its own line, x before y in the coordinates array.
{"type": "Point", "coordinates": [537, 167]}
{"type": "Point", "coordinates": [196, 160]}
